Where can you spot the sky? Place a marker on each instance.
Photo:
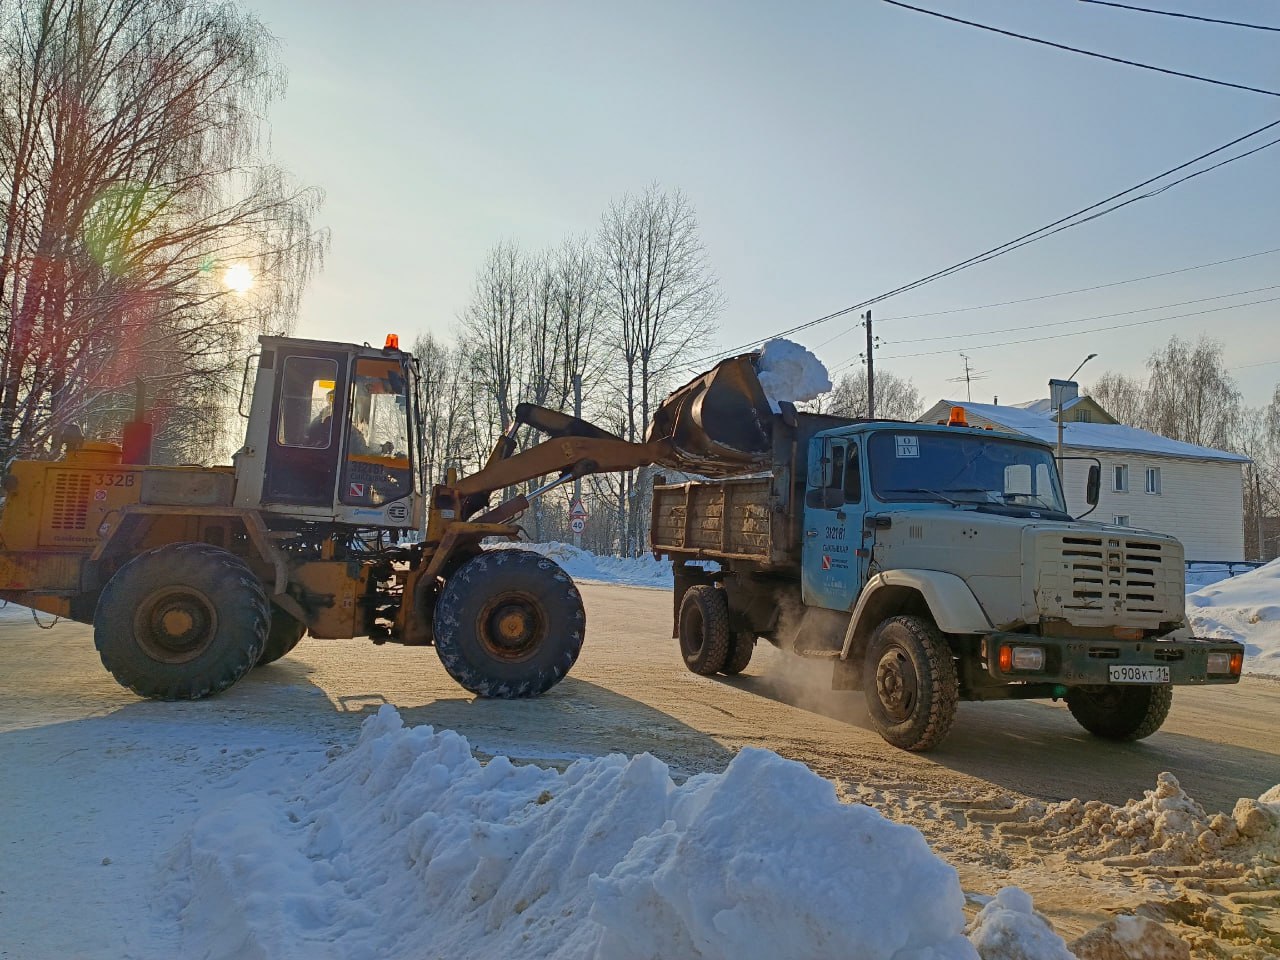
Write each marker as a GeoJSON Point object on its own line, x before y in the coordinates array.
{"type": "Point", "coordinates": [832, 151]}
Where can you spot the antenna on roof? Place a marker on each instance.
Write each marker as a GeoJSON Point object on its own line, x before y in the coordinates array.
{"type": "Point", "coordinates": [970, 375]}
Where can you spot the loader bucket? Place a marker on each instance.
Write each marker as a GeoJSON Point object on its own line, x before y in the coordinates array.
{"type": "Point", "coordinates": [719, 423]}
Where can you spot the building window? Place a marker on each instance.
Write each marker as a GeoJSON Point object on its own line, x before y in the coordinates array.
{"type": "Point", "coordinates": [1084, 416]}
{"type": "Point", "coordinates": [1153, 479]}
{"type": "Point", "coordinates": [1121, 521]}
{"type": "Point", "coordinates": [1122, 478]}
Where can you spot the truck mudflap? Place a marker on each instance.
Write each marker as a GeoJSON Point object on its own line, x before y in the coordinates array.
{"type": "Point", "coordinates": [1021, 658]}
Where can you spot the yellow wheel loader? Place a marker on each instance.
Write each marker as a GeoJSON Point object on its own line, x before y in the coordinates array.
{"type": "Point", "coordinates": [325, 524]}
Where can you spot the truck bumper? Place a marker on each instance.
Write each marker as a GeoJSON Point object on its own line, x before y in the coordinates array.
{"type": "Point", "coordinates": [1077, 662]}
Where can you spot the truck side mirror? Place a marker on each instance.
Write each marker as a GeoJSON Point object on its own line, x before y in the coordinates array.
{"type": "Point", "coordinates": [1094, 485]}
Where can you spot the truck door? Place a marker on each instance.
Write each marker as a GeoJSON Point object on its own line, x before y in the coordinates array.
{"type": "Point", "coordinates": [307, 416]}
{"type": "Point", "coordinates": [831, 571]}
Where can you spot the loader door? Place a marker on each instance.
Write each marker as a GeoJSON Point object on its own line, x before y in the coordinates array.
{"type": "Point", "coordinates": [832, 560]}
{"type": "Point", "coordinates": [308, 414]}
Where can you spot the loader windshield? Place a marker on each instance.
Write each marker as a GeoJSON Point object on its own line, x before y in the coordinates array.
{"type": "Point", "coordinates": [377, 463]}
{"type": "Point", "coordinates": [964, 468]}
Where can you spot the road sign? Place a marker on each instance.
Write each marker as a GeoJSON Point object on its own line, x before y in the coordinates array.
{"type": "Point", "coordinates": [578, 524]}
{"type": "Point", "coordinates": [578, 510]}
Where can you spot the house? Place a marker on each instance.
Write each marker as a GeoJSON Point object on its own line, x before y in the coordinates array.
{"type": "Point", "coordinates": [1148, 481]}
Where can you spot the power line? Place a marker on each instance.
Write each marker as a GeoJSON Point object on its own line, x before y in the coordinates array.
{"type": "Point", "coordinates": [1087, 53]}
{"type": "Point", "coordinates": [1260, 363]}
{"type": "Point", "coordinates": [1063, 223]}
{"type": "Point", "coordinates": [1185, 16]}
{"type": "Point", "coordinates": [1100, 316]}
{"type": "Point", "coordinates": [1064, 293]}
{"type": "Point", "coordinates": [1075, 333]}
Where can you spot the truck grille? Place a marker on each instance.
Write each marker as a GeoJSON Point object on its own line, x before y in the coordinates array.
{"type": "Point", "coordinates": [70, 501]}
{"type": "Point", "coordinates": [1106, 579]}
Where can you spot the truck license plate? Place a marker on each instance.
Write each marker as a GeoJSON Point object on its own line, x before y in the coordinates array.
{"type": "Point", "coordinates": [1120, 673]}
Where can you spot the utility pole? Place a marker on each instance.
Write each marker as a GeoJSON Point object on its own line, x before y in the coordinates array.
{"type": "Point", "coordinates": [871, 368]}
{"type": "Point", "coordinates": [1257, 506]}
{"type": "Point", "coordinates": [577, 482]}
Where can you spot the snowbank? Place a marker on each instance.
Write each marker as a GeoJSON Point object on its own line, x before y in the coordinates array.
{"type": "Point", "coordinates": [409, 845]}
{"type": "Point", "coordinates": [582, 565]}
{"type": "Point", "coordinates": [1244, 608]}
{"type": "Point", "coordinates": [788, 371]}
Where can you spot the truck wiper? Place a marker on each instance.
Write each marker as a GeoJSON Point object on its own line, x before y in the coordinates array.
{"type": "Point", "coordinates": [940, 496]}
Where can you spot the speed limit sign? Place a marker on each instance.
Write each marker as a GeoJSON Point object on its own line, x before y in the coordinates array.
{"type": "Point", "coordinates": [578, 524]}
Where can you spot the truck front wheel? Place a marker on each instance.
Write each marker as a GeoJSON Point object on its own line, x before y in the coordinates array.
{"type": "Point", "coordinates": [509, 623]}
{"type": "Point", "coordinates": [1120, 712]}
{"type": "Point", "coordinates": [910, 682]}
{"type": "Point", "coordinates": [181, 622]}
{"type": "Point", "coordinates": [704, 629]}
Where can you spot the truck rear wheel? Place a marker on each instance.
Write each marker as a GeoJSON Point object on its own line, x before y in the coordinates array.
{"type": "Point", "coordinates": [741, 647]}
{"type": "Point", "coordinates": [285, 634]}
{"type": "Point", "coordinates": [1120, 712]}
{"type": "Point", "coordinates": [509, 623]}
{"type": "Point", "coordinates": [181, 622]}
{"type": "Point", "coordinates": [910, 683]}
{"type": "Point", "coordinates": [704, 629]}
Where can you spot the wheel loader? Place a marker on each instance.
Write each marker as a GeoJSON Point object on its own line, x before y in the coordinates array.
{"type": "Point", "coordinates": [324, 524]}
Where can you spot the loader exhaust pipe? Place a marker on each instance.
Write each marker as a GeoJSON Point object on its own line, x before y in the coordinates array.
{"type": "Point", "coordinates": [135, 442]}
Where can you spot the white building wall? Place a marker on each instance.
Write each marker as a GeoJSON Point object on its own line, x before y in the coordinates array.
{"type": "Point", "coordinates": [1201, 502]}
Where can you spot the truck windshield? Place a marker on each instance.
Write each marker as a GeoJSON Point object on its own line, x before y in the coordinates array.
{"type": "Point", "coordinates": [963, 468]}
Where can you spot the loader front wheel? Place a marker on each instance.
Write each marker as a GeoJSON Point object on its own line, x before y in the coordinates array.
{"type": "Point", "coordinates": [509, 624]}
{"type": "Point", "coordinates": [285, 634]}
{"type": "Point", "coordinates": [181, 622]}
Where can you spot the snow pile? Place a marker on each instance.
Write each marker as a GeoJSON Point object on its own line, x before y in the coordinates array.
{"type": "Point", "coordinates": [788, 371]}
{"type": "Point", "coordinates": [1008, 928]}
{"type": "Point", "coordinates": [1165, 827]}
{"type": "Point", "coordinates": [1244, 608]}
{"type": "Point", "coordinates": [582, 565]}
{"type": "Point", "coordinates": [407, 845]}
{"type": "Point", "coordinates": [1130, 938]}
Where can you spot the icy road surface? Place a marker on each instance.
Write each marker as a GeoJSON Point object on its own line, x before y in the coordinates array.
{"type": "Point", "coordinates": [1006, 799]}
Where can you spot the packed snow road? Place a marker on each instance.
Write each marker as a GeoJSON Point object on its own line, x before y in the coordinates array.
{"type": "Point", "coordinates": [1002, 799]}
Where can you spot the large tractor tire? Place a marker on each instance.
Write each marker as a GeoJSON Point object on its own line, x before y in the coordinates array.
{"type": "Point", "coordinates": [181, 622]}
{"type": "Point", "coordinates": [910, 683]}
{"type": "Point", "coordinates": [741, 647]}
{"type": "Point", "coordinates": [1120, 712]}
{"type": "Point", "coordinates": [285, 634]}
{"type": "Point", "coordinates": [509, 623]}
{"type": "Point", "coordinates": [704, 629]}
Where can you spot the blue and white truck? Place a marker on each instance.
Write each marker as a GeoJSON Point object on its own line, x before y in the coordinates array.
{"type": "Point", "coordinates": [930, 563]}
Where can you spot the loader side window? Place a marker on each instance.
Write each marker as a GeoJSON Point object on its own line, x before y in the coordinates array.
{"type": "Point", "coordinates": [306, 403]}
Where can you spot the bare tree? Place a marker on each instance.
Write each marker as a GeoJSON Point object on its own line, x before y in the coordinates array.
{"type": "Point", "coordinates": [1190, 395]}
{"type": "Point", "coordinates": [495, 325]}
{"type": "Point", "coordinates": [131, 176]}
{"type": "Point", "coordinates": [1124, 397]}
{"type": "Point", "coordinates": [663, 301]}
{"type": "Point", "coordinates": [897, 398]}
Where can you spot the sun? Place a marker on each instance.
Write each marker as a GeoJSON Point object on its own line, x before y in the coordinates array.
{"type": "Point", "coordinates": [238, 278]}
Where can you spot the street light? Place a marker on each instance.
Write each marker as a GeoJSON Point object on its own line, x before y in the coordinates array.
{"type": "Point", "coordinates": [1061, 391]}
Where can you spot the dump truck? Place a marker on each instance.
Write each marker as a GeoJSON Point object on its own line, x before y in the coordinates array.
{"type": "Point", "coordinates": [323, 524]}
{"type": "Point", "coordinates": [929, 563]}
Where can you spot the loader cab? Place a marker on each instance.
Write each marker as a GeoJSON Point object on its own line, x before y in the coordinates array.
{"type": "Point", "coordinates": [331, 435]}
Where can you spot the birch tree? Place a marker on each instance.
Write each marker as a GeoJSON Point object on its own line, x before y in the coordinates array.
{"type": "Point", "coordinates": [131, 176]}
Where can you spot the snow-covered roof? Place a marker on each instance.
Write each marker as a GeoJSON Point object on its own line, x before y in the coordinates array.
{"type": "Point", "coordinates": [1044, 406]}
{"type": "Point", "coordinates": [1093, 436]}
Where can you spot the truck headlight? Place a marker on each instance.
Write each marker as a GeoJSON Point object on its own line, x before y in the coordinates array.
{"type": "Point", "coordinates": [1220, 661]}
{"type": "Point", "coordinates": [1021, 658]}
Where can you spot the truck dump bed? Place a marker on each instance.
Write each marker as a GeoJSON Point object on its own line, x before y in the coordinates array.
{"type": "Point", "coordinates": [754, 518]}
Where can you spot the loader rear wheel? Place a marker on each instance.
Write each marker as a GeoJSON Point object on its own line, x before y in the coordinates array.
{"type": "Point", "coordinates": [285, 634]}
{"type": "Point", "coordinates": [911, 683]}
{"type": "Point", "coordinates": [704, 629]}
{"type": "Point", "coordinates": [741, 647]}
{"type": "Point", "coordinates": [181, 622]}
{"type": "Point", "coordinates": [509, 623]}
{"type": "Point", "coordinates": [1120, 712]}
